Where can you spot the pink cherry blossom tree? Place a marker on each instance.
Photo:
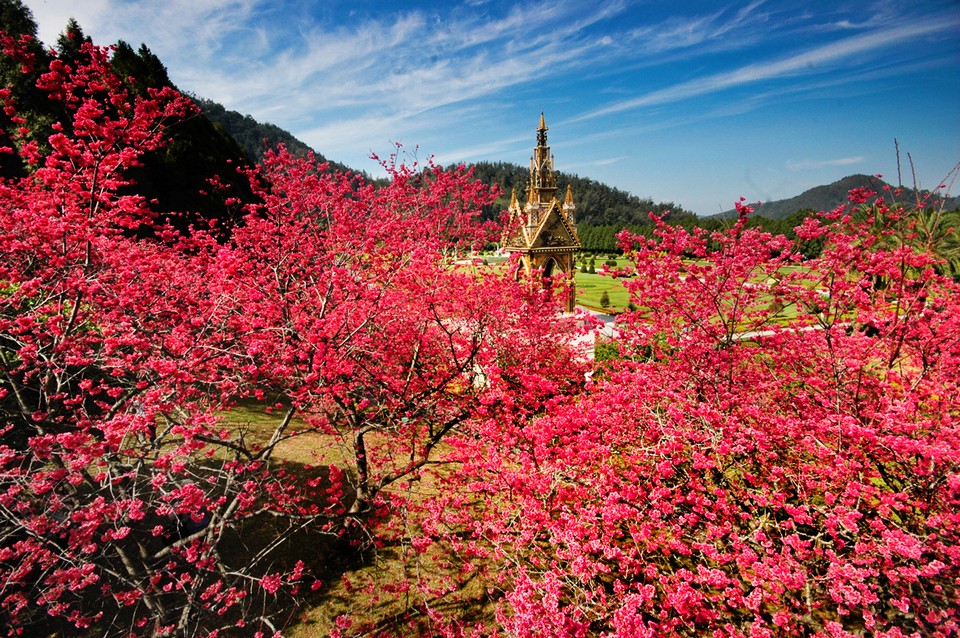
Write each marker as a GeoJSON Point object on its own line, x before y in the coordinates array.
{"type": "Point", "coordinates": [128, 505]}
{"type": "Point", "coordinates": [775, 454]}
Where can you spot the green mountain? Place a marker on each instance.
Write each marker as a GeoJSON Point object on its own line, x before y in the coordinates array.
{"type": "Point", "coordinates": [258, 137]}
{"type": "Point", "coordinates": [597, 204]}
{"type": "Point", "coordinates": [602, 211]}
{"type": "Point", "coordinates": [176, 176]}
{"type": "Point", "coordinates": [826, 198]}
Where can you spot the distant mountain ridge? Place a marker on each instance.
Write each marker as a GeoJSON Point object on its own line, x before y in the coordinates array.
{"type": "Point", "coordinates": [828, 197]}
{"type": "Point", "coordinates": [256, 138]}
{"type": "Point", "coordinates": [598, 204]}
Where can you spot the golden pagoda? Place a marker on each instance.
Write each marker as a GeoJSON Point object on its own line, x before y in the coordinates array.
{"type": "Point", "coordinates": [544, 231]}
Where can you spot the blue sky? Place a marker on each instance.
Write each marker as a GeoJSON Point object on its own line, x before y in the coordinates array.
{"type": "Point", "coordinates": [697, 103]}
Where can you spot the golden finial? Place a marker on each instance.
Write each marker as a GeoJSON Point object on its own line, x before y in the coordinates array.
{"type": "Point", "coordinates": [542, 132]}
{"type": "Point", "coordinates": [569, 199]}
{"type": "Point", "coordinates": [513, 198]}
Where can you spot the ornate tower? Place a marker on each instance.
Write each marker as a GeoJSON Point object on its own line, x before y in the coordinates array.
{"type": "Point", "coordinates": [543, 230]}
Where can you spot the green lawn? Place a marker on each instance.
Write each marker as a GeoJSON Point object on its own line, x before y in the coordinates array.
{"type": "Point", "coordinates": [590, 287]}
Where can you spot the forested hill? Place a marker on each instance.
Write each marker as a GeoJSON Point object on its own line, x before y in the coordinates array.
{"type": "Point", "coordinates": [602, 211]}
{"type": "Point", "coordinates": [257, 137]}
{"type": "Point", "coordinates": [597, 204]}
{"type": "Point", "coordinates": [828, 197]}
{"type": "Point", "coordinates": [174, 177]}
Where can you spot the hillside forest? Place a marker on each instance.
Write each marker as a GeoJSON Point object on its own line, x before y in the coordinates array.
{"type": "Point", "coordinates": [268, 396]}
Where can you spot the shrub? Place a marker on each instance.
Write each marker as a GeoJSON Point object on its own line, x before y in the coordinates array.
{"type": "Point", "coordinates": [605, 350]}
{"type": "Point", "coordinates": [802, 482]}
{"type": "Point", "coordinates": [128, 505]}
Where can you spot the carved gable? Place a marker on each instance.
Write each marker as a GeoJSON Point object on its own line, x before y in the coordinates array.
{"type": "Point", "coordinates": [552, 232]}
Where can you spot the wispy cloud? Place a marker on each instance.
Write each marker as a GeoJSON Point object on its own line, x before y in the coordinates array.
{"type": "Point", "coordinates": [499, 147]}
{"type": "Point", "coordinates": [208, 25]}
{"type": "Point", "coordinates": [405, 61]}
{"type": "Point", "coordinates": [606, 161]}
{"type": "Point", "coordinates": [349, 84]}
{"type": "Point", "coordinates": [722, 28]}
{"type": "Point", "coordinates": [810, 62]}
{"type": "Point", "coordinates": [336, 80]}
{"type": "Point", "coordinates": [807, 165]}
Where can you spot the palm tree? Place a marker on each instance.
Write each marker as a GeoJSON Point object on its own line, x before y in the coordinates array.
{"type": "Point", "coordinates": [939, 233]}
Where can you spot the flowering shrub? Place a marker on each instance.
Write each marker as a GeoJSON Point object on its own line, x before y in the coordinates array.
{"type": "Point", "coordinates": [771, 452]}
{"type": "Point", "coordinates": [127, 505]}
{"type": "Point", "coordinates": [774, 453]}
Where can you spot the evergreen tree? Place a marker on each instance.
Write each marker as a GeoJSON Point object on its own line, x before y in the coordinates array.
{"type": "Point", "coordinates": [70, 43]}
{"type": "Point", "coordinates": [16, 20]}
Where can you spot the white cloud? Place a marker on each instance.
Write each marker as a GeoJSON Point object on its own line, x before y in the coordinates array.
{"type": "Point", "coordinates": [810, 62]}
{"type": "Point", "coordinates": [167, 25]}
{"type": "Point", "coordinates": [606, 161]}
{"type": "Point", "coordinates": [806, 165]}
{"type": "Point", "coordinates": [715, 31]}
{"type": "Point", "coordinates": [349, 82]}
{"type": "Point", "coordinates": [339, 80]}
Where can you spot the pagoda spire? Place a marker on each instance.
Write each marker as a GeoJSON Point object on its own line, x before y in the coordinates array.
{"type": "Point", "coordinates": [544, 230]}
{"type": "Point", "coordinates": [542, 188]}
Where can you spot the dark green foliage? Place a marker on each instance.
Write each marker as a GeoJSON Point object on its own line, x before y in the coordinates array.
{"type": "Point", "coordinates": [255, 138]}
{"type": "Point", "coordinates": [604, 238]}
{"type": "Point", "coordinates": [142, 66]}
{"type": "Point", "coordinates": [16, 20]}
{"type": "Point", "coordinates": [597, 204]}
{"type": "Point", "coordinates": [604, 299]}
{"type": "Point", "coordinates": [176, 177]}
{"type": "Point", "coordinates": [605, 350]}
{"type": "Point", "coordinates": [71, 41]}
{"type": "Point", "coordinates": [602, 211]}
